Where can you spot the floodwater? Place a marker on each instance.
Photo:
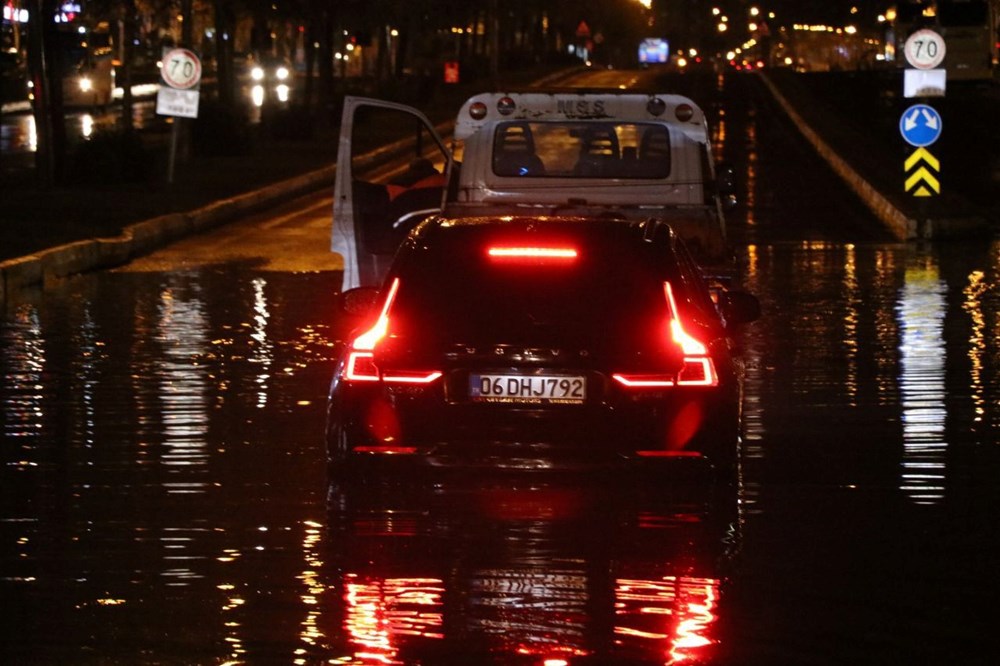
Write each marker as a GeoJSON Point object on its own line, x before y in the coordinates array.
{"type": "Point", "coordinates": [163, 495]}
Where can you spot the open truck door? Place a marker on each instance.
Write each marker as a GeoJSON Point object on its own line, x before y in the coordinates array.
{"type": "Point", "coordinates": [392, 172]}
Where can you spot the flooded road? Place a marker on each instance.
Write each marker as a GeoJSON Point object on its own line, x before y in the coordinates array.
{"type": "Point", "coordinates": [163, 496]}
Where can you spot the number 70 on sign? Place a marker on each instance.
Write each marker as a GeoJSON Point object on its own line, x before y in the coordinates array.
{"type": "Point", "coordinates": [181, 69]}
{"type": "Point", "coordinates": [924, 49]}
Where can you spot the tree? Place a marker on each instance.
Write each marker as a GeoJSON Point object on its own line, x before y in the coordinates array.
{"type": "Point", "coordinates": [44, 64]}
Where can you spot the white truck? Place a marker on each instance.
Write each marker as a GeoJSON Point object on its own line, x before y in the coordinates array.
{"type": "Point", "coordinates": [614, 154]}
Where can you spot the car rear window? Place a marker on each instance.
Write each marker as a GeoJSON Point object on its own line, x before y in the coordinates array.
{"type": "Point", "coordinates": [610, 290]}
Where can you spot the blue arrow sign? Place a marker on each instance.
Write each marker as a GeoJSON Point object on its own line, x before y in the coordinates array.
{"type": "Point", "coordinates": [920, 125]}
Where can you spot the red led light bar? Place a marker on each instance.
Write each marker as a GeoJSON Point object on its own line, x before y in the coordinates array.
{"type": "Point", "coordinates": [361, 361]}
{"type": "Point", "coordinates": [668, 454]}
{"type": "Point", "coordinates": [645, 381]}
{"type": "Point", "coordinates": [367, 340]}
{"type": "Point", "coordinates": [532, 254]}
{"type": "Point", "coordinates": [361, 367]}
{"type": "Point", "coordinates": [410, 377]}
{"type": "Point", "coordinates": [386, 450]}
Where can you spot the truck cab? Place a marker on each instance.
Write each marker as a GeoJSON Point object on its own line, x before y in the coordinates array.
{"type": "Point", "coordinates": [606, 154]}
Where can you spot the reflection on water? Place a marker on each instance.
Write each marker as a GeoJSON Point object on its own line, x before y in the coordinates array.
{"type": "Point", "coordinates": [449, 577]}
{"type": "Point", "coordinates": [19, 135]}
{"type": "Point", "coordinates": [674, 614]}
{"type": "Point", "coordinates": [261, 353]}
{"type": "Point", "coordinates": [183, 335]}
{"type": "Point", "coordinates": [923, 359]}
{"type": "Point", "coordinates": [860, 339]}
{"type": "Point", "coordinates": [380, 612]}
{"type": "Point", "coordinates": [23, 358]}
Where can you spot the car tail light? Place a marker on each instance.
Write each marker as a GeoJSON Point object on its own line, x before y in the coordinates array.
{"type": "Point", "coordinates": [411, 377]}
{"type": "Point", "coordinates": [361, 360]}
{"type": "Point", "coordinates": [698, 368]}
{"type": "Point", "coordinates": [361, 367]}
{"type": "Point", "coordinates": [533, 255]}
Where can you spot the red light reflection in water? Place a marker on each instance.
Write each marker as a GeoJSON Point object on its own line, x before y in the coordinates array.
{"type": "Point", "coordinates": [672, 616]}
{"type": "Point", "coordinates": [679, 611]}
{"type": "Point", "coordinates": [536, 504]}
{"type": "Point", "coordinates": [380, 611]}
{"type": "Point", "coordinates": [686, 424]}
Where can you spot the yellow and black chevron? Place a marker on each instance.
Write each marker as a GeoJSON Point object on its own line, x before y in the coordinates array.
{"type": "Point", "coordinates": [921, 170]}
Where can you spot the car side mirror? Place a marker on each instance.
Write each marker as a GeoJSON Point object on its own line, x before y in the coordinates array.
{"type": "Point", "coordinates": [740, 307]}
{"type": "Point", "coordinates": [359, 301]}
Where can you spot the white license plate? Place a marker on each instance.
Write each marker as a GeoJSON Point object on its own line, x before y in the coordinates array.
{"type": "Point", "coordinates": [528, 388]}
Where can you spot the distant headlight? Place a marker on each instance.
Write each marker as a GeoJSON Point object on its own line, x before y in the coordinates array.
{"type": "Point", "coordinates": [257, 73]}
{"type": "Point", "coordinates": [86, 84]}
{"type": "Point", "coordinates": [281, 73]}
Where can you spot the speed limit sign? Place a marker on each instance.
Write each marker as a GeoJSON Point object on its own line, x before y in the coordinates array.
{"type": "Point", "coordinates": [924, 49]}
{"type": "Point", "coordinates": [180, 73]}
{"type": "Point", "coordinates": [181, 69]}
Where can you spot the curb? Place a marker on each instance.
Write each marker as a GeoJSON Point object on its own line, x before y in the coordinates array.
{"type": "Point", "coordinates": [138, 239]}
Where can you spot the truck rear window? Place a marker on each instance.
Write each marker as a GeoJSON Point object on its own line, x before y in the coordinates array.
{"type": "Point", "coordinates": [581, 150]}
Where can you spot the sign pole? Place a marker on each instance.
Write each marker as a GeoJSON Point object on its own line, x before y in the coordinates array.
{"type": "Point", "coordinates": [175, 131]}
{"type": "Point", "coordinates": [180, 77]}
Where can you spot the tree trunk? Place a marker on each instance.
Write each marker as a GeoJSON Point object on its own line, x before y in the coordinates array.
{"type": "Point", "coordinates": [127, 51]}
{"type": "Point", "coordinates": [45, 65]}
{"type": "Point", "coordinates": [224, 23]}
{"type": "Point", "coordinates": [326, 83]}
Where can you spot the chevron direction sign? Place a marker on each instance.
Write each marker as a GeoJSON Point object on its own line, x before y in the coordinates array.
{"type": "Point", "coordinates": [921, 170]}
